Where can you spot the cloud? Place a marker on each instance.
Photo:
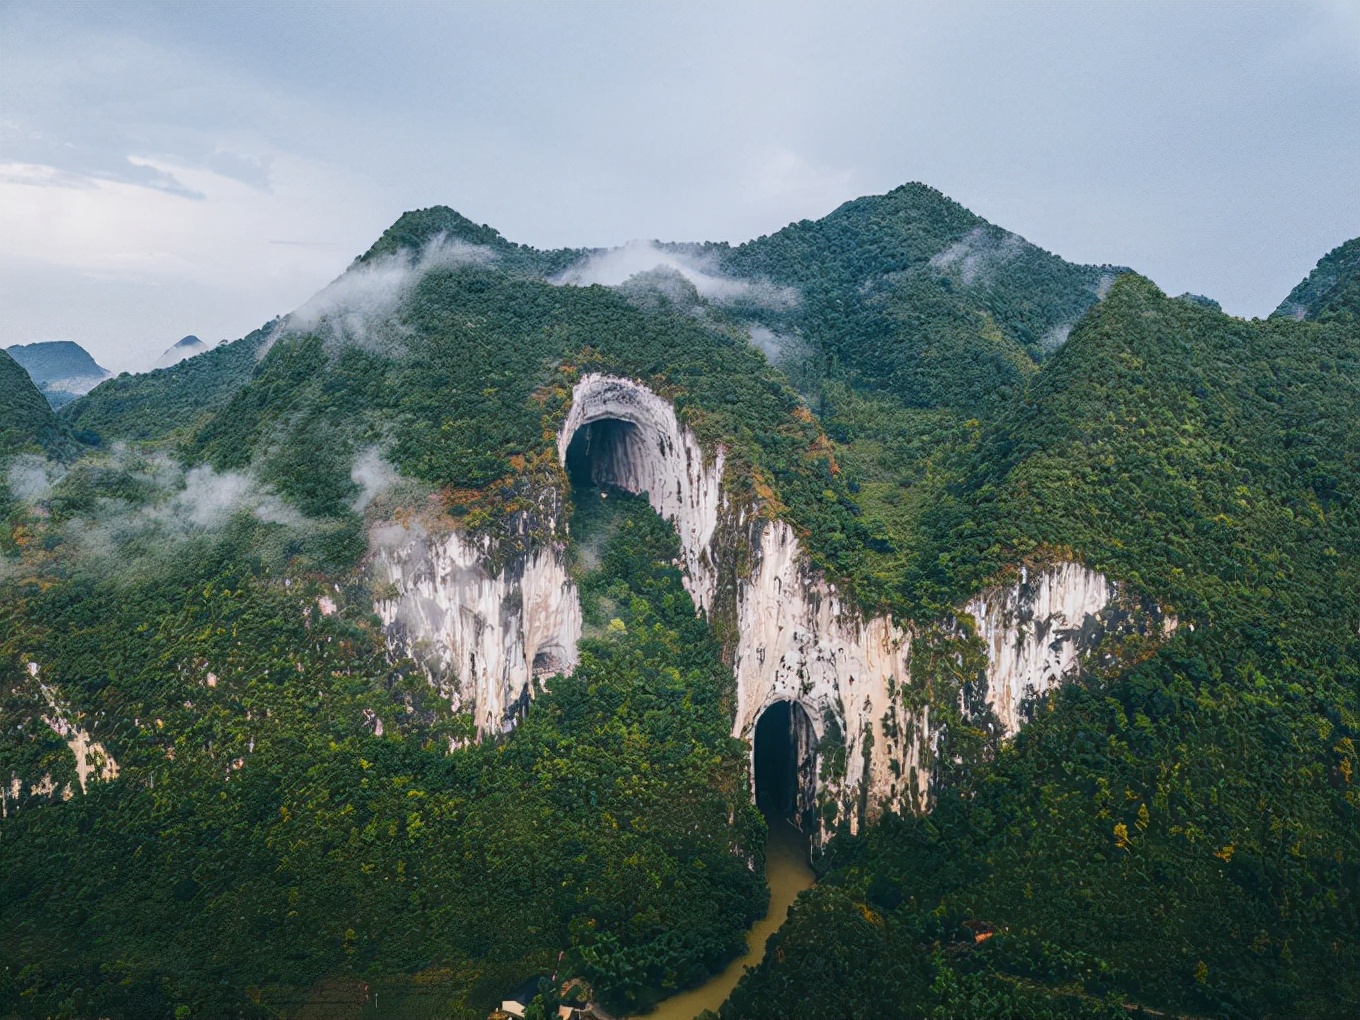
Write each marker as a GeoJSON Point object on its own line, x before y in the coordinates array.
{"type": "Point", "coordinates": [363, 300]}
{"type": "Point", "coordinates": [612, 267]}
{"type": "Point", "coordinates": [373, 475]}
{"type": "Point", "coordinates": [979, 254]}
{"type": "Point", "coordinates": [1054, 338]}
{"type": "Point", "coordinates": [171, 504]}
{"type": "Point", "coordinates": [31, 477]}
{"type": "Point", "coordinates": [773, 345]}
{"type": "Point", "coordinates": [208, 499]}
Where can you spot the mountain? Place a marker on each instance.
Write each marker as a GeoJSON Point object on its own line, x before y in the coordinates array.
{"type": "Point", "coordinates": [1331, 291]}
{"type": "Point", "coordinates": [26, 419]}
{"type": "Point", "coordinates": [912, 293]}
{"type": "Point", "coordinates": [477, 620]}
{"type": "Point", "coordinates": [1205, 456]}
{"type": "Point", "coordinates": [180, 350]}
{"type": "Point", "coordinates": [156, 404]}
{"type": "Point", "coordinates": [62, 369]}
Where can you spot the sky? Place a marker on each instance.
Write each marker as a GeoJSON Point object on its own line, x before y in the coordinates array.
{"type": "Point", "coordinates": [201, 168]}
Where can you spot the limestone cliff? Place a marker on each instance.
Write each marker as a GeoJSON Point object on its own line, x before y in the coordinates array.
{"type": "Point", "coordinates": [1038, 630]}
{"type": "Point", "coordinates": [485, 621]}
{"type": "Point", "coordinates": [482, 628]}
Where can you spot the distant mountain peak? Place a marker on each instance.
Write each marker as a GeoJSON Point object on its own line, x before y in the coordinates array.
{"type": "Point", "coordinates": [180, 350]}
{"type": "Point", "coordinates": [61, 369]}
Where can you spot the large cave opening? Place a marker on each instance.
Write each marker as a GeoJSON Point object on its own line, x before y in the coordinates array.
{"type": "Point", "coordinates": [600, 454]}
{"type": "Point", "coordinates": [785, 753]}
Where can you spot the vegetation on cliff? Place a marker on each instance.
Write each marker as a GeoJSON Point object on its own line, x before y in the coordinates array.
{"type": "Point", "coordinates": [287, 809]}
{"type": "Point", "coordinates": [943, 403]}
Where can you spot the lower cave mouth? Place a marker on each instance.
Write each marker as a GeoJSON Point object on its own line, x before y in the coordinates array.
{"type": "Point", "coordinates": [785, 764]}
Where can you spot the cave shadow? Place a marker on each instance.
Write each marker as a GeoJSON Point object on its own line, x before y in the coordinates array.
{"type": "Point", "coordinates": [785, 757]}
{"type": "Point", "coordinates": [596, 451]}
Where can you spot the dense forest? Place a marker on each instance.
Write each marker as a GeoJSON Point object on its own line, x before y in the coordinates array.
{"type": "Point", "coordinates": [1183, 833]}
{"type": "Point", "coordinates": [300, 822]}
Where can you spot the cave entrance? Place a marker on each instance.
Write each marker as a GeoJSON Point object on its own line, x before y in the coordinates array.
{"type": "Point", "coordinates": [601, 454]}
{"type": "Point", "coordinates": [785, 757]}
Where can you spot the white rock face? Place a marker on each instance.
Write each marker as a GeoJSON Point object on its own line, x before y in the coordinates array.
{"type": "Point", "coordinates": [657, 457]}
{"type": "Point", "coordinates": [799, 641]}
{"type": "Point", "coordinates": [483, 632]}
{"type": "Point", "coordinates": [486, 631]}
{"type": "Point", "coordinates": [92, 758]}
{"type": "Point", "coordinates": [1036, 631]}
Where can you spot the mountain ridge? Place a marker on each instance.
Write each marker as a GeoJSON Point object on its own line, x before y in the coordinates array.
{"type": "Point", "coordinates": [298, 807]}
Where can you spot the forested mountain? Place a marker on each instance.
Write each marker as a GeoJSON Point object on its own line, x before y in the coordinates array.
{"type": "Point", "coordinates": [1331, 291]}
{"type": "Point", "coordinates": [164, 401]}
{"type": "Point", "coordinates": [61, 369]}
{"type": "Point", "coordinates": [26, 419]}
{"type": "Point", "coordinates": [912, 293]}
{"type": "Point", "coordinates": [1184, 828]}
{"type": "Point", "coordinates": [246, 766]}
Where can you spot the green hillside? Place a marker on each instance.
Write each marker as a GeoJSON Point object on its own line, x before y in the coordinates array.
{"type": "Point", "coordinates": [167, 400]}
{"type": "Point", "coordinates": [1183, 834]}
{"type": "Point", "coordinates": [301, 821]}
{"type": "Point", "coordinates": [26, 420]}
{"type": "Point", "coordinates": [1331, 292]}
{"type": "Point", "coordinates": [912, 293]}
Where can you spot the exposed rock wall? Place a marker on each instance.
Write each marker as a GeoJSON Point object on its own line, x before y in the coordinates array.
{"type": "Point", "coordinates": [92, 759]}
{"type": "Point", "coordinates": [656, 456]}
{"type": "Point", "coordinates": [1037, 631]}
{"type": "Point", "coordinates": [799, 640]}
{"type": "Point", "coordinates": [483, 630]}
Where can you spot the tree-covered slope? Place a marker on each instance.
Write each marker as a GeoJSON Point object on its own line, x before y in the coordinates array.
{"type": "Point", "coordinates": [1331, 292]}
{"type": "Point", "coordinates": [1182, 833]}
{"type": "Point", "coordinates": [288, 810]}
{"type": "Point", "coordinates": [26, 419]}
{"type": "Point", "coordinates": [912, 293]}
{"type": "Point", "coordinates": [156, 404]}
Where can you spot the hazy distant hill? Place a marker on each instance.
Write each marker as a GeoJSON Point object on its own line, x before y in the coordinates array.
{"type": "Point", "coordinates": [61, 369]}
{"type": "Point", "coordinates": [180, 350]}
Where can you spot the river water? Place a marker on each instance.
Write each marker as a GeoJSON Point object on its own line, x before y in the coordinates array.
{"type": "Point", "coordinates": [787, 872]}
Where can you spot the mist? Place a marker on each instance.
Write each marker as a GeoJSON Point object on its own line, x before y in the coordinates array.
{"type": "Point", "coordinates": [612, 267]}
{"type": "Point", "coordinates": [979, 254]}
{"type": "Point", "coordinates": [359, 305]}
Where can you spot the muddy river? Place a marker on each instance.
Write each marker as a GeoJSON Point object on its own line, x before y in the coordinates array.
{"type": "Point", "coordinates": [788, 873]}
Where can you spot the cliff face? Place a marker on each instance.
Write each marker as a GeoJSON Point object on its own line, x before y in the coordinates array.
{"type": "Point", "coordinates": [93, 762]}
{"type": "Point", "coordinates": [485, 624]}
{"type": "Point", "coordinates": [651, 453]}
{"type": "Point", "coordinates": [1038, 630]}
{"type": "Point", "coordinates": [800, 641]}
{"type": "Point", "coordinates": [482, 629]}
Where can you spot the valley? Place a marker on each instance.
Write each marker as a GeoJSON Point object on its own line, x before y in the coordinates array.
{"type": "Point", "coordinates": [882, 617]}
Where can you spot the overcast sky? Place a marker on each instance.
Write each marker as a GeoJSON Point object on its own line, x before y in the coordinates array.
{"type": "Point", "coordinates": [200, 168]}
